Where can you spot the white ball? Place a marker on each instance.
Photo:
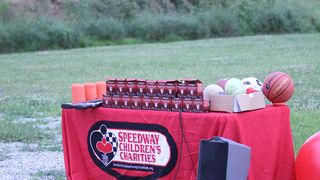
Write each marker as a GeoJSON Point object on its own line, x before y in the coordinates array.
{"type": "Point", "coordinates": [252, 82]}
{"type": "Point", "coordinates": [212, 90]}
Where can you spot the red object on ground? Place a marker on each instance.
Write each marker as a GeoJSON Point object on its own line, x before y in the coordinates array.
{"type": "Point", "coordinates": [308, 159]}
{"type": "Point", "coordinates": [266, 131]}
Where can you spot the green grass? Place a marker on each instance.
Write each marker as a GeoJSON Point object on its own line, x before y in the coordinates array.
{"type": "Point", "coordinates": [57, 175]}
{"type": "Point", "coordinates": [35, 84]}
{"type": "Point", "coordinates": [20, 131]}
{"type": "Point", "coordinates": [315, 4]}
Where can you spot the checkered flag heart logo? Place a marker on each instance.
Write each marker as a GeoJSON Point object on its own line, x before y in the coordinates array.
{"type": "Point", "coordinates": [104, 144]}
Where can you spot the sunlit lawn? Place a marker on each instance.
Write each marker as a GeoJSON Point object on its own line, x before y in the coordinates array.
{"type": "Point", "coordinates": [35, 84]}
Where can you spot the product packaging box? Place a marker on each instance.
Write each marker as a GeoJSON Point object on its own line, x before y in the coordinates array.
{"type": "Point", "coordinates": [237, 103]}
{"type": "Point", "coordinates": [136, 102]}
{"type": "Point", "coordinates": [127, 102]}
{"type": "Point", "coordinates": [166, 104]}
{"type": "Point", "coordinates": [121, 86]}
{"type": "Point", "coordinates": [195, 88]}
{"type": "Point", "coordinates": [152, 88]}
{"type": "Point", "coordinates": [176, 104]}
{"type": "Point", "coordinates": [165, 95]}
{"type": "Point", "coordinates": [141, 87]}
{"type": "Point", "coordinates": [117, 101]}
{"type": "Point", "coordinates": [147, 103]}
{"type": "Point", "coordinates": [157, 103]}
{"type": "Point", "coordinates": [111, 86]}
{"type": "Point", "coordinates": [182, 90]}
{"type": "Point", "coordinates": [190, 88]}
{"type": "Point", "coordinates": [131, 87]}
{"type": "Point", "coordinates": [107, 101]}
{"type": "Point", "coordinates": [171, 88]}
{"type": "Point", "coordinates": [188, 105]}
{"type": "Point", "coordinates": [200, 105]}
{"type": "Point", "coordinates": [162, 87]}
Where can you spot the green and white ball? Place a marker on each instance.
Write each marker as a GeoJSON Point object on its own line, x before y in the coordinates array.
{"type": "Point", "coordinates": [234, 86]}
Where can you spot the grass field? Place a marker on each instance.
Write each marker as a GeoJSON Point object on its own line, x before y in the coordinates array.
{"type": "Point", "coordinates": [315, 4]}
{"type": "Point", "coordinates": [33, 85]}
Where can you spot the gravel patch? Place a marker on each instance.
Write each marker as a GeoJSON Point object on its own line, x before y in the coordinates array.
{"type": "Point", "coordinates": [25, 120]}
{"type": "Point", "coordinates": [21, 165]}
{"type": "Point", "coordinates": [52, 123]}
{"type": "Point", "coordinates": [11, 147]}
{"type": "Point", "coordinates": [5, 149]}
{"type": "Point", "coordinates": [22, 160]}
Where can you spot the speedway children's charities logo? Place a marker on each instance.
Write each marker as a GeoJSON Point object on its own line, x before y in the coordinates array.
{"type": "Point", "coordinates": [117, 147]}
{"type": "Point", "coordinates": [103, 144]}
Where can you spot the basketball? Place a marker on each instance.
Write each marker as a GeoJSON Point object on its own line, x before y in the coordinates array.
{"type": "Point", "coordinates": [278, 87]}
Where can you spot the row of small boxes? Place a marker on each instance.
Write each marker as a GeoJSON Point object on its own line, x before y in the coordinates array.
{"type": "Point", "coordinates": [183, 88]}
{"type": "Point", "coordinates": [156, 103]}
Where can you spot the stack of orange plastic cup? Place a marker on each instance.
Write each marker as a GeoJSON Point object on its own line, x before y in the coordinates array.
{"type": "Point", "coordinates": [78, 93]}
{"type": "Point", "coordinates": [101, 89]}
{"type": "Point", "coordinates": [91, 91]}
{"type": "Point", "coordinates": [88, 91]}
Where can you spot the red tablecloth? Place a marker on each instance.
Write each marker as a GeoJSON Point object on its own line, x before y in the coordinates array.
{"type": "Point", "coordinates": [266, 131]}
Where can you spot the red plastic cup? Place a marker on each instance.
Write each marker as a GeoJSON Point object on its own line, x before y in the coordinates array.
{"type": "Point", "coordinates": [101, 89]}
{"type": "Point", "coordinates": [91, 91]}
{"type": "Point", "coordinates": [78, 93]}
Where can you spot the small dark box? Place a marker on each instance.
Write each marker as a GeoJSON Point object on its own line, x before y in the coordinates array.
{"type": "Point", "coordinates": [132, 87]}
{"type": "Point", "coordinates": [136, 102]}
{"type": "Point", "coordinates": [152, 88]}
{"type": "Point", "coordinates": [117, 99]}
{"type": "Point", "coordinates": [147, 103]}
{"type": "Point", "coordinates": [166, 104]}
{"type": "Point", "coordinates": [176, 104]}
{"type": "Point", "coordinates": [190, 88]}
{"type": "Point", "coordinates": [182, 89]}
{"type": "Point", "coordinates": [141, 87]}
{"type": "Point", "coordinates": [112, 86]}
{"type": "Point", "coordinates": [107, 101]}
{"type": "Point", "coordinates": [121, 86]}
{"type": "Point", "coordinates": [157, 103]}
{"type": "Point", "coordinates": [188, 105]}
{"type": "Point", "coordinates": [171, 89]}
{"type": "Point", "coordinates": [162, 87]}
{"type": "Point", "coordinates": [127, 102]}
{"type": "Point", "coordinates": [199, 105]}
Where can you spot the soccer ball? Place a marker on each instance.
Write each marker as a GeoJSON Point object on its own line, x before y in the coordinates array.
{"type": "Point", "coordinates": [252, 82]}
